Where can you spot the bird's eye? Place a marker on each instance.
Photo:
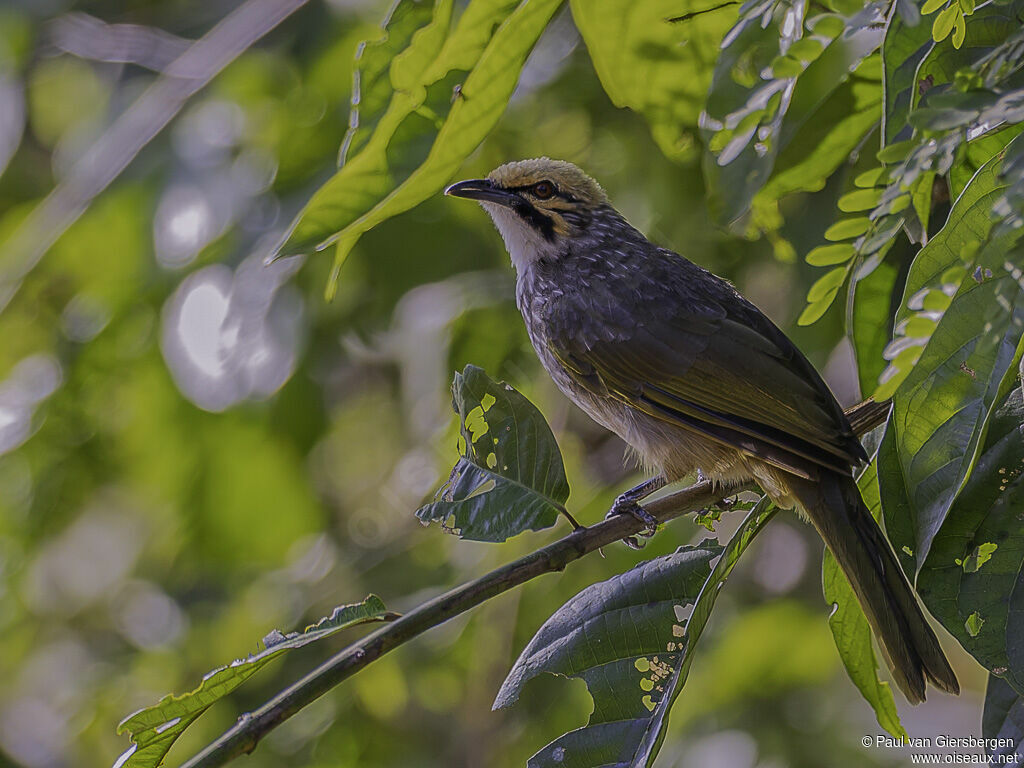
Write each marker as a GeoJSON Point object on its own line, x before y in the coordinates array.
{"type": "Point", "coordinates": [543, 189]}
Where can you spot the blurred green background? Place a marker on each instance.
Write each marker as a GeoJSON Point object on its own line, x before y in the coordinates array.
{"type": "Point", "coordinates": [196, 449]}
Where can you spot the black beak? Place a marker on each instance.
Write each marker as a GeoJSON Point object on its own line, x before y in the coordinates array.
{"type": "Point", "coordinates": [483, 189]}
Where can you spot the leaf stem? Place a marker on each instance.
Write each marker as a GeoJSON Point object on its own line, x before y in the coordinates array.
{"type": "Point", "coordinates": [701, 12]}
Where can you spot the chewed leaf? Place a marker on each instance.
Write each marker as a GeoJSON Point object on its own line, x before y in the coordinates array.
{"type": "Point", "coordinates": [983, 532]}
{"type": "Point", "coordinates": [155, 729]}
{"type": "Point", "coordinates": [630, 640]}
{"type": "Point", "coordinates": [510, 478]}
{"type": "Point", "coordinates": [624, 637]}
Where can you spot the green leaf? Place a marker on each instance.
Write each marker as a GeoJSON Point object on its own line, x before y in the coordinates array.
{"type": "Point", "coordinates": [829, 255]}
{"type": "Point", "coordinates": [959, 27]}
{"type": "Point", "coordinates": [873, 178]}
{"type": "Point", "coordinates": [806, 49]}
{"type": "Point", "coordinates": [973, 568]}
{"type": "Point", "coordinates": [786, 66]}
{"type": "Point", "coordinates": [859, 200]}
{"type": "Point", "coordinates": [942, 408]}
{"type": "Point", "coordinates": [965, 284]}
{"type": "Point", "coordinates": [365, 178]}
{"type": "Point", "coordinates": [510, 477]}
{"type": "Point", "coordinates": [893, 153]}
{"type": "Point", "coordinates": [1003, 718]}
{"type": "Point", "coordinates": [938, 268]}
{"type": "Point", "coordinates": [827, 284]}
{"type": "Point", "coordinates": [990, 60]}
{"type": "Point", "coordinates": [870, 322]}
{"type": "Point", "coordinates": [944, 24]}
{"type": "Point", "coordinates": [903, 49]}
{"type": "Point", "coordinates": [976, 153]}
{"type": "Point", "coordinates": [845, 229]}
{"type": "Point", "coordinates": [363, 193]}
{"type": "Point", "coordinates": [921, 199]}
{"type": "Point", "coordinates": [155, 729]}
{"type": "Point", "coordinates": [814, 310]}
{"type": "Point", "coordinates": [819, 147]}
{"type": "Point", "coordinates": [850, 628]}
{"type": "Point", "coordinates": [931, 6]}
{"type": "Point", "coordinates": [372, 86]}
{"type": "Point", "coordinates": [484, 95]}
{"type": "Point", "coordinates": [656, 57]}
{"type": "Point", "coordinates": [750, 119]}
{"type": "Point", "coordinates": [627, 639]}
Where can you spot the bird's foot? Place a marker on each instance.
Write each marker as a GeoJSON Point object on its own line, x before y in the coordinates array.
{"type": "Point", "coordinates": [623, 505]}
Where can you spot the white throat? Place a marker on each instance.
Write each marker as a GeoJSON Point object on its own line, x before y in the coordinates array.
{"type": "Point", "coordinates": [524, 243]}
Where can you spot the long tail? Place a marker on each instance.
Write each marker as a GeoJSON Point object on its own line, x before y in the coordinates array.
{"type": "Point", "coordinates": [835, 508]}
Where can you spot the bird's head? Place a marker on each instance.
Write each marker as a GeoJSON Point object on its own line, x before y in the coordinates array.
{"type": "Point", "coordinates": [539, 206]}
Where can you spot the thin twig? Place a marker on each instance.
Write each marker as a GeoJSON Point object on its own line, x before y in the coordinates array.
{"type": "Point", "coordinates": [243, 737]}
{"type": "Point", "coordinates": [701, 12]}
{"type": "Point", "coordinates": [135, 128]}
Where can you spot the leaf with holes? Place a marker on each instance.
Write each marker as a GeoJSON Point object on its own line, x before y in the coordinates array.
{"type": "Point", "coordinates": [971, 578]}
{"type": "Point", "coordinates": [510, 478]}
{"type": "Point", "coordinates": [155, 729]}
{"type": "Point", "coordinates": [628, 639]}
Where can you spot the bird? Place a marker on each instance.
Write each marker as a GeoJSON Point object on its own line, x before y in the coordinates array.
{"type": "Point", "coordinates": [694, 378]}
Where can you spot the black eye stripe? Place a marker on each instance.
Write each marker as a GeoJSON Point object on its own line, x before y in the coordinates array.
{"type": "Point", "coordinates": [557, 192]}
{"type": "Point", "coordinates": [539, 221]}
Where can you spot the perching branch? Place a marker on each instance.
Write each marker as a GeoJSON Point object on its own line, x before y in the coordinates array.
{"type": "Point", "coordinates": [243, 737]}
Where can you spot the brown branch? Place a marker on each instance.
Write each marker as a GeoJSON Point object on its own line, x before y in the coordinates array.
{"type": "Point", "coordinates": [250, 728]}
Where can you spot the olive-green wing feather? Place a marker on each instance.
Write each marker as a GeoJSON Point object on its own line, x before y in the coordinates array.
{"type": "Point", "coordinates": [708, 360]}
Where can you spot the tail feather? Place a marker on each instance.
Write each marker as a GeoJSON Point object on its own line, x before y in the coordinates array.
{"type": "Point", "coordinates": [835, 508]}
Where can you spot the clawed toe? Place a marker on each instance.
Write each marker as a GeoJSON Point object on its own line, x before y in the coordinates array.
{"type": "Point", "coordinates": [626, 506]}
